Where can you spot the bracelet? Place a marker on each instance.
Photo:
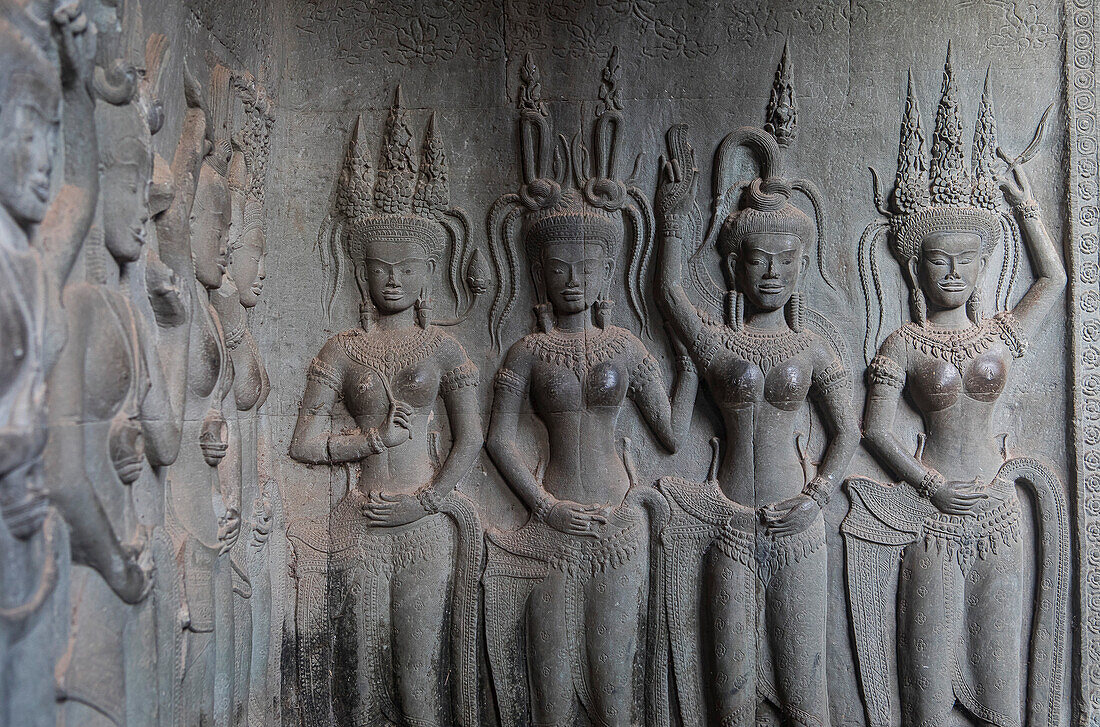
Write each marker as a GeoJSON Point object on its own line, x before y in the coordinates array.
{"type": "Point", "coordinates": [932, 482]}
{"type": "Point", "coordinates": [1028, 210]}
{"type": "Point", "coordinates": [374, 441]}
{"type": "Point", "coordinates": [543, 505]}
{"type": "Point", "coordinates": [818, 491]}
{"type": "Point", "coordinates": [429, 499]}
{"type": "Point", "coordinates": [675, 225]}
{"type": "Point", "coordinates": [684, 364]}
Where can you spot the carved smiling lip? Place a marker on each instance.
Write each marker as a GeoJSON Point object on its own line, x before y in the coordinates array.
{"type": "Point", "coordinates": [257, 288]}
{"type": "Point", "coordinates": [390, 294]}
{"type": "Point", "coordinates": [770, 288]}
{"type": "Point", "coordinates": [572, 295]}
{"type": "Point", "coordinates": [41, 190]}
{"type": "Point", "coordinates": [953, 286]}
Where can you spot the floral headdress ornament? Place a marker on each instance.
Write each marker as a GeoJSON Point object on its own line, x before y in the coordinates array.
{"type": "Point", "coordinates": [569, 193]}
{"type": "Point", "coordinates": [405, 202]}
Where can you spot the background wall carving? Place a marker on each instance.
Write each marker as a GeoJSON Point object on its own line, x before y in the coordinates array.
{"type": "Point", "coordinates": [268, 454]}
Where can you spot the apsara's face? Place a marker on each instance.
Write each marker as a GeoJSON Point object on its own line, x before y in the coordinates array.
{"type": "Point", "coordinates": [950, 267]}
{"type": "Point", "coordinates": [396, 273]}
{"type": "Point", "coordinates": [246, 266]}
{"type": "Point", "coordinates": [26, 137]}
{"type": "Point", "coordinates": [210, 220]}
{"type": "Point", "coordinates": [573, 274]}
{"type": "Point", "coordinates": [768, 268]}
{"type": "Point", "coordinates": [125, 192]}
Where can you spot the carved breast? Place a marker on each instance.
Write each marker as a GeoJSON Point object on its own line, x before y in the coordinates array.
{"type": "Point", "coordinates": [740, 382]}
{"type": "Point", "coordinates": [561, 389]}
{"type": "Point", "coordinates": [365, 393]}
{"type": "Point", "coordinates": [937, 384]}
{"type": "Point", "coordinates": [206, 355]}
{"type": "Point", "coordinates": [109, 368]}
{"type": "Point", "coordinates": [14, 331]}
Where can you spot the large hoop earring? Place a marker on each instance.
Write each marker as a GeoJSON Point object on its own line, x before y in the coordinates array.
{"type": "Point", "coordinates": [601, 311]}
{"type": "Point", "coordinates": [544, 317]}
{"type": "Point", "coordinates": [918, 307]}
{"type": "Point", "coordinates": [796, 312]}
{"type": "Point", "coordinates": [423, 306]}
{"type": "Point", "coordinates": [735, 310]}
{"type": "Point", "coordinates": [974, 307]}
{"type": "Point", "coordinates": [368, 314]}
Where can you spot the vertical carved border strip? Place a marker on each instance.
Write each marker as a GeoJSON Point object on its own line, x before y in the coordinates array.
{"type": "Point", "coordinates": [1084, 216]}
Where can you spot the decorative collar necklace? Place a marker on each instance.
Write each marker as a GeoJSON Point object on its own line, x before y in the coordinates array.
{"type": "Point", "coordinates": [954, 345]}
{"type": "Point", "coordinates": [764, 347]}
{"type": "Point", "coordinates": [387, 352]}
{"type": "Point", "coordinates": [578, 350]}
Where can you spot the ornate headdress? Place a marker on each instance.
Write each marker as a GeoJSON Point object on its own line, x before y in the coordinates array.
{"type": "Point", "coordinates": [254, 138]}
{"type": "Point", "coordinates": [763, 204]}
{"type": "Point", "coordinates": [943, 195]}
{"type": "Point", "coordinates": [939, 194]}
{"type": "Point", "coordinates": [406, 203]}
{"type": "Point", "coordinates": [593, 210]}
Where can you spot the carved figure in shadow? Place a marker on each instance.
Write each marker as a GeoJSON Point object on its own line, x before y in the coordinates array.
{"type": "Point", "coordinates": [954, 519]}
{"type": "Point", "coordinates": [202, 510]}
{"type": "Point", "coordinates": [744, 556]}
{"type": "Point", "coordinates": [40, 238]}
{"type": "Point", "coordinates": [566, 594]}
{"type": "Point", "coordinates": [238, 294]}
{"type": "Point", "coordinates": [109, 415]}
{"type": "Point", "coordinates": [387, 588]}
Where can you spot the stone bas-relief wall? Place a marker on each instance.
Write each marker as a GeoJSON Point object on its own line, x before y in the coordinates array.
{"type": "Point", "coordinates": [547, 364]}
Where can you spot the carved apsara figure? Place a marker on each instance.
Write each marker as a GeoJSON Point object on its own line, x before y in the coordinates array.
{"type": "Point", "coordinates": [387, 588]}
{"type": "Point", "coordinates": [237, 295]}
{"type": "Point", "coordinates": [567, 593]}
{"type": "Point", "coordinates": [748, 545]}
{"type": "Point", "coordinates": [40, 238]}
{"type": "Point", "coordinates": [109, 415]}
{"type": "Point", "coordinates": [954, 519]}
{"type": "Point", "coordinates": [202, 510]}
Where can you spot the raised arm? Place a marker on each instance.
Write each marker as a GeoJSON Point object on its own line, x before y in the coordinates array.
{"type": "Point", "coordinates": [668, 420]}
{"type": "Point", "coordinates": [62, 232]}
{"type": "Point", "coordinates": [173, 224]}
{"type": "Point", "coordinates": [674, 201]}
{"type": "Point", "coordinates": [1050, 273]}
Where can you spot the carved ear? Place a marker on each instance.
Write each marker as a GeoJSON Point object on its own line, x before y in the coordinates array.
{"type": "Point", "coordinates": [911, 268]}
{"type": "Point", "coordinates": [609, 272]}
{"type": "Point", "coordinates": [729, 266]}
{"type": "Point", "coordinates": [361, 279]}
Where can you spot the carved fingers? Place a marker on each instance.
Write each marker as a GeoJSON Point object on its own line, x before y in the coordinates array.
{"type": "Point", "coordinates": [573, 518]}
{"type": "Point", "coordinates": [397, 428]}
{"type": "Point", "coordinates": [1015, 184]}
{"type": "Point", "coordinates": [678, 176]}
{"type": "Point", "coordinates": [229, 529]}
{"type": "Point", "coordinates": [958, 498]}
{"type": "Point", "coordinates": [385, 509]}
{"type": "Point", "coordinates": [78, 43]}
{"type": "Point", "coordinates": [791, 516]}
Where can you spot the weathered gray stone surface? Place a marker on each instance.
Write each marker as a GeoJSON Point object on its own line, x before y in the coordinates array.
{"type": "Point", "coordinates": [283, 443]}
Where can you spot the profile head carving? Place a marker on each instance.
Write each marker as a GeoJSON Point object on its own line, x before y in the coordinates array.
{"type": "Point", "coordinates": [30, 94]}
{"type": "Point", "coordinates": [126, 166]}
{"type": "Point", "coordinates": [574, 212]}
{"type": "Point", "coordinates": [396, 223]}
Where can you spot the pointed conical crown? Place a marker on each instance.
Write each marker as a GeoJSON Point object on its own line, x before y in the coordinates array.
{"type": "Point", "coordinates": [782, 111]}
{"type": "Point", "coordinates": [408, 202]}
{"type": "Point", "coordinates": [911, 183]}
{"type": "Point", "coordinates": [950, 183]}
{"type": "Point", "coordinates": [431, 185]}
{"type": "Point", "coordinates": [396, 171]}
{"type": "Point", "coordinates": [945, 197]}
{"type": "Point", "coordinates": [982, 155]}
